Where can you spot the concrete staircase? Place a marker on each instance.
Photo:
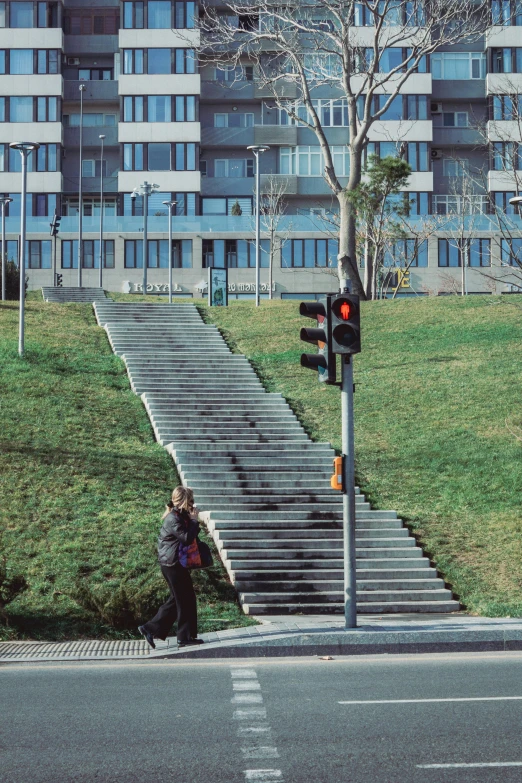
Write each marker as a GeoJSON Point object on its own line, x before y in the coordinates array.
{"type": "Point", "coordinates": [263, 483]}
{"type": "Point", "coordinates": [61, 294]}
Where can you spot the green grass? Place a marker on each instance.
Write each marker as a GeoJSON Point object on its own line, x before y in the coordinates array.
{"type": "Point", "coordinates": [83, 486]}
{"type": "Point", "coordinates": [438, 412]}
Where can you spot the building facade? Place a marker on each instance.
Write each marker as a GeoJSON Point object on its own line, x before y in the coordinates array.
{"type": "Point", "coordinates": [131, 71]}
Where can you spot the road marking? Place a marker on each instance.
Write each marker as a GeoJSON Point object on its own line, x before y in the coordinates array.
{"type": "Point", "coordinates": [465, 766]}
{"type": "Point", "coordinates": [246, 686]}
{"type": "Point", "coordinates": [247, 698]}
{"type": "Point", "coordinates": [263, 774]}
{"type": "Point", "coordinates": [257, 738]}
{"type": "Point", "coordinates": [431, 701]}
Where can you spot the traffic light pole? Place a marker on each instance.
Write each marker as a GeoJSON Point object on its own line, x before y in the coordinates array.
{"type": "Point", "coordinates": [55, 239]}
{"type": "Point", "coordinates": [348, 450]}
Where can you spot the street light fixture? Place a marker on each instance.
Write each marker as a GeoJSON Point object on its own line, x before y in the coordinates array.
{"type": "Point", "coordinates": [516, 201]}
{"type": "Point", "coordinates": [102, 137]}
{"type": "Point", "coordinates": [80, 194]}
{"type": "Point", "coordinates": [170, 205]}
{"type": "Point", "coordinates": [258, 150]}
{"type": "Point", "coordinates": [4, 200]}
{"type": "Point", "coordinates": [25, 148]}
{"type": "Point", "coordinates": [145, 190]}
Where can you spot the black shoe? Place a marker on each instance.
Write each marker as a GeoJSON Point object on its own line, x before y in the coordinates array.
{"type": "Point", "coordinates": [190, 641]}
{"type": "Point", "coordinates": [148, 636]}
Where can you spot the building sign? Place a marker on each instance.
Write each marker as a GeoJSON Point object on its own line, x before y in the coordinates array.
{"type": "Point", "coordinates": [153, 288]}
{"type": "Point", "coordinates": [217, 287]}
{"type": "Point", "coordinates": [248, 288]}
{"type": "Point", "coordinates": [403, 279]}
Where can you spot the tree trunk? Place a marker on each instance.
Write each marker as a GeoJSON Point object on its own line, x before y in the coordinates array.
{"type": "Point", "coordinates": [368, 269]}
{"type": "Point", "coordinates": [347, 247]}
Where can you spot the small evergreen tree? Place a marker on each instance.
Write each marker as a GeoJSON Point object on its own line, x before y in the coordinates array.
{"type": "Point", "coordinates": [12, 280]}
{"type": "Point", "coordinates": [236, 209]}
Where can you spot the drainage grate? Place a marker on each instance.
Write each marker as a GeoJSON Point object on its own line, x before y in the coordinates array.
{"type": "Point", "coordinates": [64, 650]}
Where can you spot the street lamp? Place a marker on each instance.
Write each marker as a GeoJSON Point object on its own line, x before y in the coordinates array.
{"type": "Point", "coordinates": [80, 204]}
{"type": "Point", "coordinates": [258, 150]}
{"type": "Point", "coordinates": [145, 190]}
{"type": "Point", "coordinates": [170, 205]}
{"type": "Point", "coordinates": [101, 211]}
{"type": "Point", "coordinates": [4, 200]}
{"type": "Point", "coordinates": [516, 201]}
{"type": "Point", "coordinates": [25, 148]}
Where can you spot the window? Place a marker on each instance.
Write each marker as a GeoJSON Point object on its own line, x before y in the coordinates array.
{"type": "Point", "coordinates": [159, 14]}
{"type": "Point", "coordinates": [505, 156]}
{"type": "Point", "coordinates": [506, 13]}
{"type": "Point", "coordinates": [501, 202]}
{"type": "Point", "coordinates": [99, 21]}
{"type": "Point", "coordinates": [505, 107]}
{"type": "Point", "coordinates": [160, 157]}
{"type": "Point", "coordinates": [155, 61]}
{"type": "Point", "coordinates": [91, 254]}
{"type": "Point", "coordinates": [46, 158]}
{"type": "Point", "coordinates": [95, 74]}
{"type": "Point", "coordinates": [37, 204]}
{"type": "Point", "coordinates": [455, 167]}
{"type": "Point", "coordinates": [159, 61]}
{"type": "Point", "coordinates": [38, 253]}
{"type": "Point", "coordinates": [185, 204]}
{"type": "Point", "coordinates": [511, 252]}
{"type": "Point", "coordinates": [158, 254]}
{"type": "Point", "coordinates": [224, 205]}
{"type": "Point", "coordinates": [21, 14]}
{"type": "Point", "coordinates": [415, 152]}
{"type": "Point", "coordinates": [471, 252]}
{"type": "Point", "coordinates": [234, 253]}
{"type": "Point", "coordinates": [455, 119]}
{"type": "Point", "coordinates": [234, 167]}
{"type": "Point", "coordinates": [234, 73]}
{"type": "Point", "coordinates": [458, 65]}
{"type": "Point", "coordinates": [407, 253]}
{"type": "Point", "coordinates": [92, 168]}
{"type": "Point", "coordinates": [416, 107]}
{"type": "Point", "coordinates": [506, 60]}
{"type": "Point", "coordinates": [90, 120]}
{"type": "Point", "coordinates": [21, 61]}
{"type": "Point", "coordinates": [460, 205]}
{"type": "Point", "coordinates": [47, 109]}
{"type": "Point", "coordinates": [159, 108]}
{"type": "Point", "coordinates": [395, 109]}
{"type": "Point", "coordinates": [308, 161]}
{"type": "Point", "coordinates": [309, 253]}
{"type": "Point", "coordinates": [233, 120]}
{"type": "Point", "coordinates": [21, 109]}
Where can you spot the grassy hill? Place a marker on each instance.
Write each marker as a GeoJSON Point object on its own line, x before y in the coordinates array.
{"type": "Point", "coordinates": [83, 486]}
{"type": "Point", "coordinates": [438, 411]}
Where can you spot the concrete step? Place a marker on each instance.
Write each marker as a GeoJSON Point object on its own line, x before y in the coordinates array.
{"type": "Point", "coordinates": [238, 537]}
{"type": "Point", "coordinates": [365, 576]}
{"type": "Point", "coordinates": [363, 553]}
{"type": "Point", "coordinates": [311, 564]}
{"type": "Point", "coordinates": [302, 545]}
{"type": "Point", "coordinates": [397, 607]}
{"type": "Point", "coordinates": [310, 524]}
{"type": "Point", "coordinates": [335, 596]}
{"type": "Point", "coordinates": [245, 516]}
{"type": "Point", "coordinates": [367, 586]}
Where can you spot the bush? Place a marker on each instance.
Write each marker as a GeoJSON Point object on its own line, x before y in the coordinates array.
{"type": "Point", "coordinates": [12, 281]}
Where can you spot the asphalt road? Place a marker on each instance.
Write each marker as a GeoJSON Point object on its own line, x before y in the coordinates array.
{"type": "Point", "coordinates": [259, 720]}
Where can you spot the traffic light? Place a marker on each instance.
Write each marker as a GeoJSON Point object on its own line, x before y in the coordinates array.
{"type": "Point", "coordinates": [324, 360]}
{"type": "Point", "coordinates": [59, 279]}
{"type": "Point", "coordinates": [55, 225]}
{"type": "Point", "coordinates": [345, 324]}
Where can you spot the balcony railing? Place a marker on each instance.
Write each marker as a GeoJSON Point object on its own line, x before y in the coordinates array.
{"type": "Point", "coordinates": [94, 90]}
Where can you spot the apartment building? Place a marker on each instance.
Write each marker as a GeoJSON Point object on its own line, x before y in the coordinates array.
{"type": "Point", "coordinates": [131, 71]}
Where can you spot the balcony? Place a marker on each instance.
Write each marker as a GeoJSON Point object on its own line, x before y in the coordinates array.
{"type": "Point", "coordinates": [91, 184]}
{"type": "Point", "coordinates": [227, 137]}
{"type": "Point", "coordinates": [95, 91]}
{"type": "Point", "coordinates": [286, 181]}
{"type": "Point", "coordinates": [465, 89]}
{"type": "Point", "coordinates": [227, 91]}
{"type": "Point", "coordinates": [227, 186]}
{"type": "Point", "coordinates": [275, 135]}
{"type": "Point", "coordinates": [76, 45]}
{"type": "Point", "coordinates": [71, 136]}
{"type": "Point", "coordinates": [452, 137]}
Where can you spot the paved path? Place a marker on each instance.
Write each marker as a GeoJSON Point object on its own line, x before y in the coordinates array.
{"type": "Point", "coordinates": [299, 635]}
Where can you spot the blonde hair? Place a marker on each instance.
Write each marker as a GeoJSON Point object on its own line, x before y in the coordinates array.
{"type": "Point", "coordinates": [183, 498]}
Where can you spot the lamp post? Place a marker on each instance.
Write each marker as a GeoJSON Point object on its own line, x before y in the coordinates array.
{"type": "Point", "coordinates": [4, 200]}
{"type": "Point", "coordinates": [170, 205]}
{"type": "Point", "coordinates": [80, 204]}
{"type": "Point", "coordinates": [101, 211]}
{"type": "Point", "coordinates": [258, 150]}
{"type": "Point", "coordinates": [145, 190]}
{"type": "Point", "coordinates": [25, 148]}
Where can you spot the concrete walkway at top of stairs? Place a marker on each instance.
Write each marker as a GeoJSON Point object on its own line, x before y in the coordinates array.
{"type": "Point", "coordinates": [299, 635]}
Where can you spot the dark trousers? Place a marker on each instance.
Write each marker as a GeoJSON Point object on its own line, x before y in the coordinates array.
{"type": "Point", "coordinates": [181, 605]}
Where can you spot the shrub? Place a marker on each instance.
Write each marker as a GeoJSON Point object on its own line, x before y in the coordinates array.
{"type": "Point", "coordinates": [12, 280]}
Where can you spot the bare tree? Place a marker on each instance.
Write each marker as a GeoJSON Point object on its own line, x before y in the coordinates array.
{"type": "Point", "coordinates": [273, 210]}
{"type": "Point", "coordinates": [364, 51]}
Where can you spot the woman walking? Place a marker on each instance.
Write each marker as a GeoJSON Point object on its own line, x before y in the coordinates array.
{"type": "Point", "coordinates": [180, 528]}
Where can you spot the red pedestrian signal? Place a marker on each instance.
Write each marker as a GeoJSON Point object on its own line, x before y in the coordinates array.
{"type": "Point", "coordinates": [346, 324]}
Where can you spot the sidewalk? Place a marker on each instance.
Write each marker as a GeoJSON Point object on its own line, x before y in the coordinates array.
{"type": "Point", "coordinates": [299, 635]}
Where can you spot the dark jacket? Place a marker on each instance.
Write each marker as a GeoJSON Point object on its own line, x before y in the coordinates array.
{"type": "Point", "coordinates": [177, 527]}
